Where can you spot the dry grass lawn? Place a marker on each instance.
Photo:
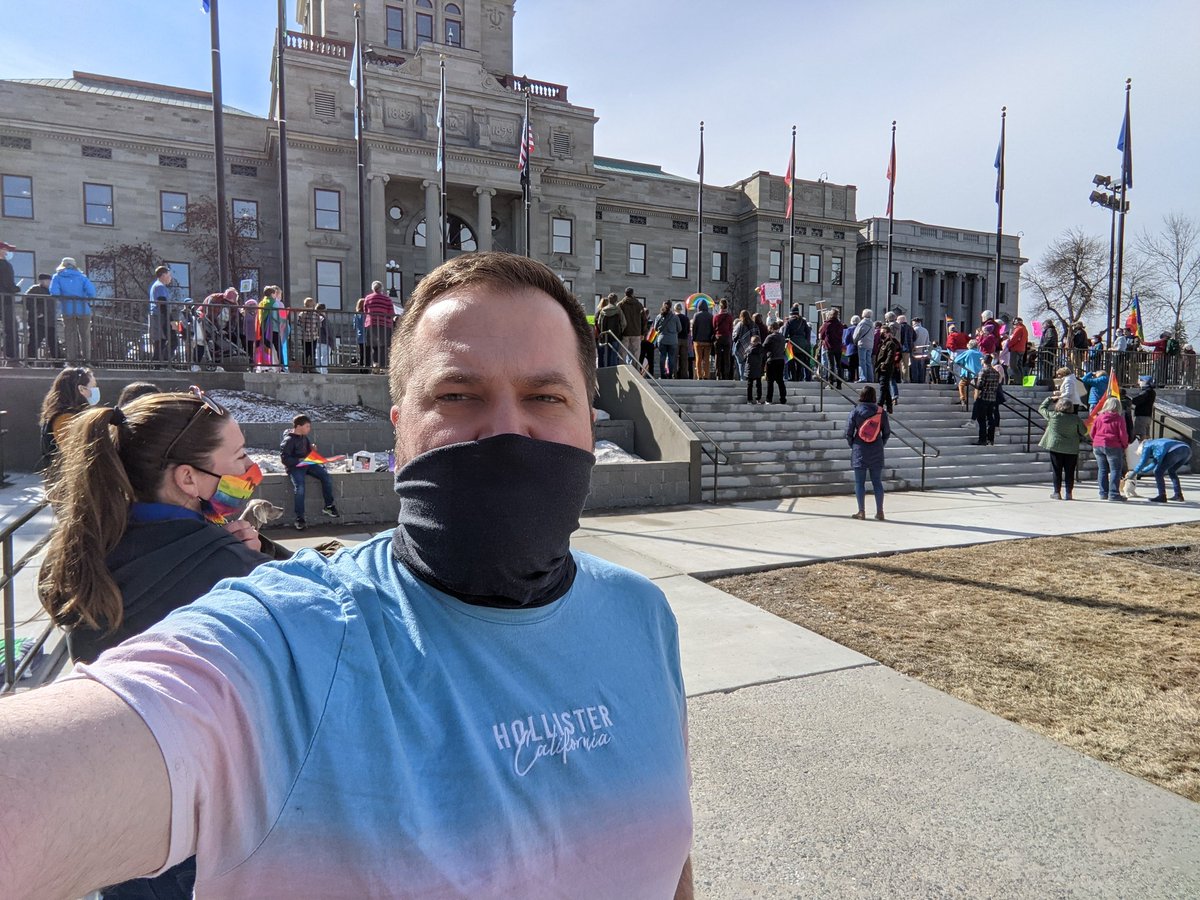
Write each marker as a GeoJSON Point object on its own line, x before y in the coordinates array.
{"type": "Point", "coordinates": [1099, 653]}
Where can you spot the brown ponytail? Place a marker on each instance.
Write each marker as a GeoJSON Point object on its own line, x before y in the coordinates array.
{"type": "Point", "coordinates": [111, 458]}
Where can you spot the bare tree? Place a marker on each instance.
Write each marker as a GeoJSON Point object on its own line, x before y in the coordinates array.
{"type": "Point", "coordinates": [1172, 259]}
{"type": "Point", "coordinates": [131, 267]}
{"type": "Point", "coordinates": [1070, 282]}
{"type": "Point", "coordinates": [202, 241]}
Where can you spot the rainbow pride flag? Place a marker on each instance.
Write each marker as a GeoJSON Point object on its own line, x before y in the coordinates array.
{"type": "Point", "coordinates": [652, 335]}
{"type": "Point", "coordinates": [1112, 390]}
{"type": "Point", "coordinates": [787, 349]}
{"type": "Point", "coordinates": [316, 459]}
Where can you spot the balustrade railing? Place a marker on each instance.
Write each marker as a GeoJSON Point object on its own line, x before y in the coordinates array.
{"type": "Point", "coordinates": [318, 46]}
{"type": "Point", "coordinates": [546, 90]}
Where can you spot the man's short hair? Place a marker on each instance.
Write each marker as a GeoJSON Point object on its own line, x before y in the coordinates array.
{"type": "Point", "coordinates": [504, 272]}
{"type": "Point", "coordinates": [42, 276]}
{"type": "Point", "coordinates": [628, 292]}
{"type": "Point", "coordinates": [161, 271]}
{"type": "Point", "coordinates": [300, 421]}
{"type": "Point", "coordinates": [377, 286]}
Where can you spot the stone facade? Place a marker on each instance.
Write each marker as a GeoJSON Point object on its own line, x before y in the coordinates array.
{"type": "Point", "coordinates": [602, 224]}
{"type": "Point", "coordinates": [938, 272]}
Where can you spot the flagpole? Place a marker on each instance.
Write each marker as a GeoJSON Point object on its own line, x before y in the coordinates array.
{"type": "Point", "coordinates": [700, 218]}
{"type": "Point", "coordinates": [527, 181]}
{"type": "Point", "coordinates": [887, 285]}
{"type": "Point", "coordinates": [442, 157]}
{"type": "Point", "coordinates": [219, 147]}
{"type": "Point", "coordinates": [1126, 175]}
{"type": "Point", "coordinates": [281, 116]}
{"type": "Point", "coordinates": [360, 150]}
{"type": "Point", "coordinates": [792, 227]}
{"type": "Point", "coordinates": [1000, 205]}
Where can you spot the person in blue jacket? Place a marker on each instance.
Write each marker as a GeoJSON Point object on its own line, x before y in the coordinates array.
{"type": "Point", "coordinates": [1165, 457]}
{"type": "Point", "coordinates": [1097, 384]}
{"type": "Point", "coordinates": [76, 310]}
{"type": "Point", "coordinates": [866, 456]}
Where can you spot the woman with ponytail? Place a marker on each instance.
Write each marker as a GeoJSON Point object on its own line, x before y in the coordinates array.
{"type": "Point", "coordinates": [142, 497]}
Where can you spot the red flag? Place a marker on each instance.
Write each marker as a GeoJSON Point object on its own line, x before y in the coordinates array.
{"type": "Point", "coordinates": [788, 179]}
{"type": "Point", "coordinates": [891, 174]}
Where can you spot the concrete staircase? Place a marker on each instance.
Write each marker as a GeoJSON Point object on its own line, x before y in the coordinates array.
{"type": "Point", "coordinates": [798, 449]}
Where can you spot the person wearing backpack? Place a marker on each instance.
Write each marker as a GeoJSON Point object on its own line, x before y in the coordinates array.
{"type": "Point", "coordinates": [867, 431]}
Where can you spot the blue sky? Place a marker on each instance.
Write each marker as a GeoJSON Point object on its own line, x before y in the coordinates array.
{"type": "Point", "coordinates": [839, 71]}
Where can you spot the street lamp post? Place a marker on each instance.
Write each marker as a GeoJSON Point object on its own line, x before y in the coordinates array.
{"type": "Point", "coordinates": [1114, 202]}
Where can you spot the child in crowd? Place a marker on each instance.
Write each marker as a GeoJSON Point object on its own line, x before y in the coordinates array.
{"type": "Point", "coordinates": [756, 362]}
{"type": "Point", "coordinates": [937, 357]}
{"type": "Point", "coordinates": [294, 450]}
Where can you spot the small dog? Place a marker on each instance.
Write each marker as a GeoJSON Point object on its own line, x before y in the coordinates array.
{"type": "Point", "coordinates": [260, 513]}
{"type": "Point", "coordinates": [1128, 486]}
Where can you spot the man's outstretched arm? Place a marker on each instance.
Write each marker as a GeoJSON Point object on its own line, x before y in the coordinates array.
{"type": "Point", "coordinates": [84, 796]}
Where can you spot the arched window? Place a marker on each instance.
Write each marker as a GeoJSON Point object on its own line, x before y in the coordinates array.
{"type": "Point", "coordinates": [459, 235]}
{"type": "Point", "coordinates": [454, 25]}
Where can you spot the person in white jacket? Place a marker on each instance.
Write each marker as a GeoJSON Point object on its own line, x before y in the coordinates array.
{"type": "Point", "coordinates": [864, 338]}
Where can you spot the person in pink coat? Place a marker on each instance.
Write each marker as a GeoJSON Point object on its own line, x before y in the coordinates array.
{"type": "Point", "coordinates": [1109, 440]}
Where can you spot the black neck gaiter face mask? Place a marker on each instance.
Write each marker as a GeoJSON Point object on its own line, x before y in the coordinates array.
{"type": "Point", "coordinates": [490, 521]}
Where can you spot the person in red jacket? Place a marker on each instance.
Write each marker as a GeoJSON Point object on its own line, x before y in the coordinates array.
{"type": "Point", "coordinates": [1018, 343]}
{"type": "Point", "coordinates": [956, 340]}
{"type": "Point", "coordinates": [378, 316]}
{"type": "Point", "coordinates": [830, 337]}
{"type": "Point", "coordinates": [723, 339]}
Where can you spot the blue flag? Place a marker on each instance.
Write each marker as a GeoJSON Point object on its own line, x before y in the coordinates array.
{"type": "Point", "coordinates": [204, 5]}
{"type": "Point", "coordinates": [441, 147]}
{"type": "Point", "coordinates": [1125, 145]}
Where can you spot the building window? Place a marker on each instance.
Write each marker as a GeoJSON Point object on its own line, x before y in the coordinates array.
{"type": "Point", "coordinates": [896, 286]}
{"type": "Point", "coordinates": [101, 273]}
{"type": "Point", "coordinates": [637, 259]}
{"type": "Point", "coordinates": [245, 218]}
{"type": "Point", "coordinates": [798, 267]}
{"type": "Point", "coordinates": [173, 210]}
{"type": "Point", "coordinates": [814, 268]}
{"type": "Point", "coordinates": [97, 204]}
{"type": "Point", "coordinates": [181, 280]}
{"type": "Point", "coordinates": [459, 235]}
{"type": "Point", "coordinates": [424, 23]}
{"type": "Point", "coordinates": [599, 254]}
{"type": "Point", "coordinates": [720, 265]}
{"type": "Point", "coordinates": [22, 263]}
{"type": "Point", "coordinates": [395, 28]}
{"type": "Point", "coordinates": [775, 264]}
{"type": "Point", "coordinates": [329, 283]}
{"type": "Point", "coordinates": [679, 262]}
{"type": "Point", "coordinates": [18, 197]}
{"type": "Point", "coordinates": [562, 237]}
{"type": "Point", "coordinates": [454, 25]}
{"type": "Point", "coordinates": [835, 271]}
{"type": "Point", "coordinates": [569, 284]}
{"type": "Point", "coordinates": [1003, 291]}
{"type": "Point", "coordinates": [328, 206]}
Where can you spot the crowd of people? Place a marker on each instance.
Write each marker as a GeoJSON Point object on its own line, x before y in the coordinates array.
{"type": "Point", "coordinates": [53, 323]}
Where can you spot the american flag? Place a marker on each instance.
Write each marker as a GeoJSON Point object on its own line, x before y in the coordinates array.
{"type": "Point", "coordinates": [527, 148]}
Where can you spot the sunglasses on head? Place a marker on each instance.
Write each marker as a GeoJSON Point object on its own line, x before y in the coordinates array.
{"type": "Point", "coordinates": [206, 403]}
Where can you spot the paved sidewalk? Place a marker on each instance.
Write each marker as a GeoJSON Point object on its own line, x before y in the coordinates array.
{"type": "Point", "coordinates": [819, 773]}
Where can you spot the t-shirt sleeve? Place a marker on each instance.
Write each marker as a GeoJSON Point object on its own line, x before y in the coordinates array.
{"type": "Point", "coordinates": [233, 688]}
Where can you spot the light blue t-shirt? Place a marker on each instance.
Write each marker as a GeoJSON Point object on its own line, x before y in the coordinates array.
{"type": "Point", "coordinates": [336, 728]}
{"type": "Point", "coordinates": [159, 293]}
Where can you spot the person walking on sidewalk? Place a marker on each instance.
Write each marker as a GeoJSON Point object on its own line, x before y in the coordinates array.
{"type": "Point", "coordinates": [294, 450]}
{"type": "Point", "coordinates": [867, 431]}
{"type": "Point", "coordinates": [1064, 431]}
{"type": "Point", "coordinates": [776, 350]}
{"type": "Point", "coordinates": [1109, 440]}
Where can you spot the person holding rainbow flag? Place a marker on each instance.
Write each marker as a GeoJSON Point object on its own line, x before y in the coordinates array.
{"type": "Point", "coordinates": [1110, 437]}
{"type": "Point", "coordinates": [300, 458]}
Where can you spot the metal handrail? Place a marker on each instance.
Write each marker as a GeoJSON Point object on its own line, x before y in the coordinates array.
{"type": "Point", "coordinates": [816, 371]}
{"type": "Point", "coordinates": [1027, 416]}
{"type": "Point", "coordinates": [12, 672]}
{"type": "Point", "coordinates": [611, 340]}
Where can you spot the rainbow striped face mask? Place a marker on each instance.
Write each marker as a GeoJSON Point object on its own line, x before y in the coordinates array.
{"type": "Point", "coordinates": [232, 494]}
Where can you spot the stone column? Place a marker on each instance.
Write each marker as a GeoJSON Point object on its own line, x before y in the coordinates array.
{"type": "Point", "coordinates": [433, 218]}
{"type": "Point", "coordinates": [483, 232]}
{"type": "Point", "coordinates": [377, 258]}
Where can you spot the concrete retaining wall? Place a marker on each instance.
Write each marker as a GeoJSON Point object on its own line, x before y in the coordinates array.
{"type": "Point", "coordinates": [659, 434]}
{"type": "Point", "coordinates": [619, 431]}
{"type": "Point", "coordinates": [363, 498]}
{"type": "Point", "coordinates": [332, 438]}
{"type": "Point", "coordinates": [617, 485]}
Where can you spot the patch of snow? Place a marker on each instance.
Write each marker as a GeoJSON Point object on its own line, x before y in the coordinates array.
{"type": "Point", "coordinates": [607, 452]}
{"type": "Point", "coordinates": [247, 406]}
